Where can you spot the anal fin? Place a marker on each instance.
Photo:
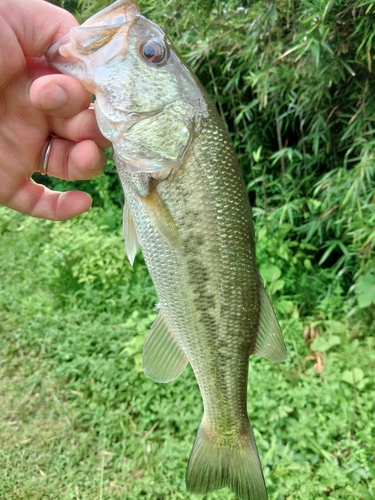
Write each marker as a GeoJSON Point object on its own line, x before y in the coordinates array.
{"type": "Point", "coordinates": [163, 358]}
{"type": "Point", "coordinates": [269, 342]}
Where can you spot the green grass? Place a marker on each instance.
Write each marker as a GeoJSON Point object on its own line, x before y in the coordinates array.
{"type": "Point", "coordinates": [79, 420]}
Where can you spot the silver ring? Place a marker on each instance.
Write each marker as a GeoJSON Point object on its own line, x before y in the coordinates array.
{"type": "Point", "coordinates": [43, 163]}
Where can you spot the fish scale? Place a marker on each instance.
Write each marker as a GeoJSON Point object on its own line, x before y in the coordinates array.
{"type": "Point", "coordinates": [186, 206]}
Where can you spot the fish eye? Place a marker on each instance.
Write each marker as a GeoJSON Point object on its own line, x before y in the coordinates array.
{"type": "Point", "coordinates": [153, 51]}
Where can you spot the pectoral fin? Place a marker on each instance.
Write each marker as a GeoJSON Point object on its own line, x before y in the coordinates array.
{"type": "Point", "coordinates": [269, 343]}
{"type": "Point", "coordinates": [130, 234]}
{"type": "Point", "coordinates": [163, 359]}
{"type": "Point", "coordinates": [160, 217]}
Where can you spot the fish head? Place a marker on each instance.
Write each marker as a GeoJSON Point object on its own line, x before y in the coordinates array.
{"type": "Point", "coordinates": [148, 104]}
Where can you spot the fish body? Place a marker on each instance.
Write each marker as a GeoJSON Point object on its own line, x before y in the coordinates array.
{"type": "Point", "coordinates": [186, 206]}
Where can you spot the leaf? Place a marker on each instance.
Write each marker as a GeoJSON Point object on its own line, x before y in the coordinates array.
{"type": "Point", "coordinates": [284, 306]}
{"type": "Point", "coordinates": [356, 376]}
{"type": "Point", "coordinates": [365, 290]}
{"type": "Point", "coordinates": [307, 264]}
{"type": "Point", "coordinates": [277, 285]}
{"type": "Point", "coordinates": [270, 273]}
{"type": "Point", "coordinates": [283, 252]}
{"type": "Point", "coordinates": [257, 154]}
{"type": "Point", "coordinates": [335, 326]}
{"type": "Point", "coordinates": [323, 344]}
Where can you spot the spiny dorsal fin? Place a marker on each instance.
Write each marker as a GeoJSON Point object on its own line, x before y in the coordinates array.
{"type": "Point", "coordinates": [160, 217]}
{"type": "Point", "coordinates": [163, 359]}
{"type": "Point", "coordinates": [269, 343]}
{"type": "Point", "coordinates": [130, 234]}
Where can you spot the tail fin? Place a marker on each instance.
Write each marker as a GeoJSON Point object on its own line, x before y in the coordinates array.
{"type": "Point", "coordinates": [216, 462]}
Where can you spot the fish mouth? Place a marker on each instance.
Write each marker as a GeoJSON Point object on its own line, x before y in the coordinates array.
{"type": "Point", "coordinates": [68, 53]}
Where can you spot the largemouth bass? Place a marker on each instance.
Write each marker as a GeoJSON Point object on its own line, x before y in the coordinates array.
{"type": "Point", "coordinates": [186, 206]}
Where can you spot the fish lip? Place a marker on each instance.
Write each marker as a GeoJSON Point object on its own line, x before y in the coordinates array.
{"type": "Point", "coordinates": [53, 53]}
{"type": "Point", "coordinates": [110, 20]}
{"type": "Point", "coordinates": [53, 50]}
{"type": "Point", "coordinates": [61, 61]}
{"type": "Point", "coordinates": [58, 60]}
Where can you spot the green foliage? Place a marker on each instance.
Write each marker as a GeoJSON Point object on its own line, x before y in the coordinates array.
{"type": "Point", "coordinates": [79, 420]}
{"type": "Point", "coordinates": [70, 5]}
{"type": "Point", "coordinates": [140, 328]}
{"type": "Point", "coordinates": [365, 290]}
{"type": "Point", "coordinates": [101, 267]}
{"type": "Point", "coordinates": [323, 344]}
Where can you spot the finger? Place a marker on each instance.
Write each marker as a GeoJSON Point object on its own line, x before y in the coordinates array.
{"type": "Point", "coordinates": [80, 127]}
{"type": "Point", "coordinates": [38, 201]}
{"type": "Point", "coordinates": [59, 95]}
{"type": "Point", "coordinates": [75, 161]}
{"type": "Point", "coordinates": [63, 97]}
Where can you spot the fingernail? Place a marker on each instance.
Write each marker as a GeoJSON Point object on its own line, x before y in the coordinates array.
{"type": "Point", "coordinates": [99, 161]}
{"type": "Point", "coordinates": [53, 97]}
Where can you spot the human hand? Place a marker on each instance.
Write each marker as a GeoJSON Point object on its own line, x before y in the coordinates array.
{"type": "Point", "coordinates": [36, 103]}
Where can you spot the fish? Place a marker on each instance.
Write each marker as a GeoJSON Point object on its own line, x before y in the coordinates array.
{"type": "Point", "coordinates": [187, 207]}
